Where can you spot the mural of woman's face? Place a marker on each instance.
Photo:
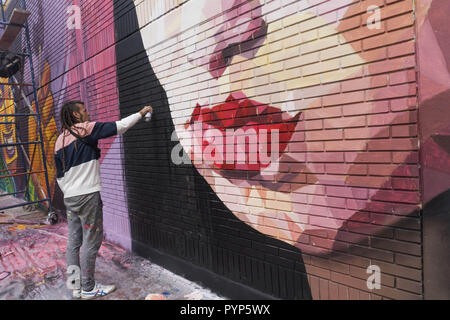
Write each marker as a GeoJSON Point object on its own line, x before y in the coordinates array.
{"type": "Point", "coordinates": [293, 78]}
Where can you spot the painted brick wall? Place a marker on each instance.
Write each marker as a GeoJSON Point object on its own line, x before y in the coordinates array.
{"type": "Point", "coordinates": [359, 140]}
{"type": "Point", "coordinates": [345, 192]}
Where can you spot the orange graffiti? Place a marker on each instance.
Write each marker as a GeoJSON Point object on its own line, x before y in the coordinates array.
{"type": "Point", "coordinates": [7, 130]}
{"type": "Point", "coordinates": [49, 133]}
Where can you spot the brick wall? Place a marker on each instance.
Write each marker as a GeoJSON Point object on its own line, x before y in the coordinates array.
{"type": "Point", "coordinates": [358, 196]}
{"type": "Point", "coordinates": [339, 84]}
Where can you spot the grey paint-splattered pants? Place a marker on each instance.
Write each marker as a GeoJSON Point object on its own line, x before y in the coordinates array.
{"type": "Point", "coordinates": [85, 224]}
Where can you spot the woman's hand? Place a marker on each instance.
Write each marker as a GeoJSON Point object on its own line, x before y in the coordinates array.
{"type": "Point", "coordinates": [146, 109]}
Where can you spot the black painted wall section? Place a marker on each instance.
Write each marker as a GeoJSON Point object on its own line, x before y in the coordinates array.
{"type": "Point", "coordinates": [176, 218]}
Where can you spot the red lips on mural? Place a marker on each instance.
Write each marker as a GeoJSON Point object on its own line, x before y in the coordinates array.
{"type": "Point", "coordinates": [244, 117]}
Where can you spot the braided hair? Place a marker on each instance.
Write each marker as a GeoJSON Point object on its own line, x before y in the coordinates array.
{"type": "Point", "coordinates": [68, 120]}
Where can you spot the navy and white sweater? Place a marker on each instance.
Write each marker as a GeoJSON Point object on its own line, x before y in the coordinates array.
{"type": "Point", "coordinates": [82, 167]}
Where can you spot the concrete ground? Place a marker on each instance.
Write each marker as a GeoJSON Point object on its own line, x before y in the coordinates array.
{"type": "Point", "coordinates": [32, 265]}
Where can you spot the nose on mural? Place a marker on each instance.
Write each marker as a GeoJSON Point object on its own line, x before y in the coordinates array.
{"type": "Point", "coordinates": [241, 25]}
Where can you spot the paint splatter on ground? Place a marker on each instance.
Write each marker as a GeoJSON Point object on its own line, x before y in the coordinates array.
{"type": "Point", "coordinates": [32, 267]}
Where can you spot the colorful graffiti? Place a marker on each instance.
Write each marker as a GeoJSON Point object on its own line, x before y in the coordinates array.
{"type": "Point", "coordinates": [71, 62]}
{"type": "Point", "coordinates": [9, 155]}
{"type": "Point", "coordinates": [31, 155]}
{"type": "Point", "coordinates": [7, 129]}
{"type": "Point", "coordinates": [49, 133]}
{"type": "Point", "coordinates": [92, 77]}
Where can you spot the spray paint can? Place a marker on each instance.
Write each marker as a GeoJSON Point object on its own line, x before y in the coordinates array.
{"type": "Point", "coordinates": [148, 117]}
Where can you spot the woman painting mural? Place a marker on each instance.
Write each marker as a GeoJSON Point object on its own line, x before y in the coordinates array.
{"type": "Point", "coordinates": [333, 80]}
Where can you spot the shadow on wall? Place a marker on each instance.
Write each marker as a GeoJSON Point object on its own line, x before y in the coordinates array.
{"type": "Point", "coordinates": [176, 218]}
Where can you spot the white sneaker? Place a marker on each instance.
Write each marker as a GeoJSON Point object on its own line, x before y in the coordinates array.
{"type": "Point", "coordinates": [98, 291]}
{"type": "Point", "coordinates": [76, 294]}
